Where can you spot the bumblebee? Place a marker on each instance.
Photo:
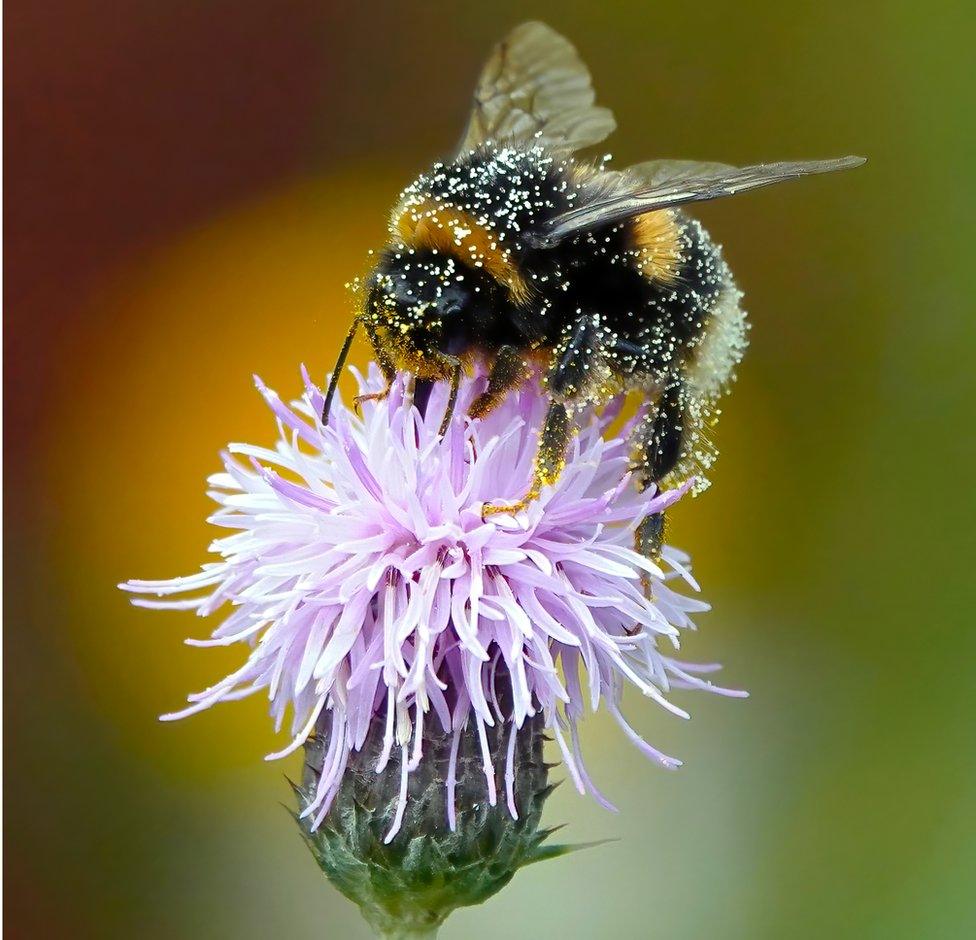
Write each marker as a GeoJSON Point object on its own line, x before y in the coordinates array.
{"type": "Point", "coordinates": [515, 255]}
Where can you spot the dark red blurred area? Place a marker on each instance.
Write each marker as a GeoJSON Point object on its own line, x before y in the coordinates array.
{"type": "Point", "coordinates": [125, 122]}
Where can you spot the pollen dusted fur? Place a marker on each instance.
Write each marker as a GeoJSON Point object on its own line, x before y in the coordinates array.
{"type": "Point", "coordinates": [622, 307]}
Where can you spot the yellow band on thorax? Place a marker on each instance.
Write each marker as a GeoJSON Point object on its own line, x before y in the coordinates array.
{"type": "Point", "coordinates": [430, 224]}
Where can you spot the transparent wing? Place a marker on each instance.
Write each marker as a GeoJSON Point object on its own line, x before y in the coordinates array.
{"type": "Point", "coordinates": [658, 172]}
{"type": "Point", "coordinates": [663, 183]}
{"type": "Point", "coordinates": [535, 87]}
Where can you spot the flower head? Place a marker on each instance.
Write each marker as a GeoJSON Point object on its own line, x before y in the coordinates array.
{"type": "Point", "coordinates": [366, 582]}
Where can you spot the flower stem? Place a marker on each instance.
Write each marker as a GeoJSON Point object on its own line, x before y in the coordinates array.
{"type": "Point", "coordinates": [409, 933]}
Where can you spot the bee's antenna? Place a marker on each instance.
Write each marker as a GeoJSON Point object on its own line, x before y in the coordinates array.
{"type": "Point", "coordinates": [337, 371]}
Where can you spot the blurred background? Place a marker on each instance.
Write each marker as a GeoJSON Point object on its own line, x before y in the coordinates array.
{"type": "Point", "coordinates": [190, 184]}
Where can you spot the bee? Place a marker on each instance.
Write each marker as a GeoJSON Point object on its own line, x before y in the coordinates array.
{"type": "Point", "coordinates": [516, 255]}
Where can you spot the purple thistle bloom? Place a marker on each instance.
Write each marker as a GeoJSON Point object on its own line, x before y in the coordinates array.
{"type": "Point", "coordinates": [363, 577]}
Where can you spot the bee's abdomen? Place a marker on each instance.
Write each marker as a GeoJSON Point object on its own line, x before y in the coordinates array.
{"type": "Point", "coordinates": [707, 332]}
{"type": "Point", "coordinates": [654, 281]}
{"type": "Point", "coordinates": [715, 323]}
{"type": "Point", "coordinates": [684, 296]}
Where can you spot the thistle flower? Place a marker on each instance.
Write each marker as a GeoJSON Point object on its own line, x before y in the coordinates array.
{"type": "Point", "coordinates": [419, 647]}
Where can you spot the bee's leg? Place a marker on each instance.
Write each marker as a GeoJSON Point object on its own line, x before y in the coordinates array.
{"type": "Point", "coordinates": [386, 367]}
{"type": "Point", "coordinates": [575, 361]}
{"type": "Point", "coordinates": [664, 444]}
{"type": "Point", "coordinates": [649, 536]}
{"type": "Point", "coordinates": [454, 365]}
{"type": "Point", "coordinates": [375, 396]}
{"type": "Point", "coordinates": [574, 364]}
{"type": "Point", "coordinates": [660, 452]}
{"type": "Point", "coordinates": [508, 370]}
{"type": "Point", "coordinates": [549, 460]}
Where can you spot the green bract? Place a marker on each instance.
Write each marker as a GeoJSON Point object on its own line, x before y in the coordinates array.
{"type": "Point", "coordinates": [408, 886]}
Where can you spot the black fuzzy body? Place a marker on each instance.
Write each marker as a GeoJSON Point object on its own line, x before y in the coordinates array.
{"type": "Point", "coordinates": [517, 193]}
{"type": "Point", "coordinates": [587, 310]}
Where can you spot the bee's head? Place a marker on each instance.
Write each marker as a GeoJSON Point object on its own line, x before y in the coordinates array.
{"type": "Point", "coordinates": [422, 303]}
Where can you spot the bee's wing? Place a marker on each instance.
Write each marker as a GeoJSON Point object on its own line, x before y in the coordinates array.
{"type": "Point", "coordinates": [659, 172]}
{"type": "Point", "coordinates": [663, 183]}
{"type": "Point", "coordinates": [535, 88]}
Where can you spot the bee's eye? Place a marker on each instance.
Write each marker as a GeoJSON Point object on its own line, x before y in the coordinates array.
{"type": "Point", "coordinates": [453, 301]}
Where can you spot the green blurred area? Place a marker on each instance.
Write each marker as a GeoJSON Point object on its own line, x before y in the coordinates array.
{"type": "Point", "coordinates": [169, 238]}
